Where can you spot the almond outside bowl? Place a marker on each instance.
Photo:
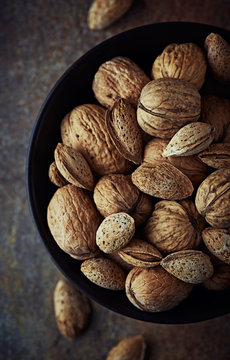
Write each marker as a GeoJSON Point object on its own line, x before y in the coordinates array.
{"type": "Point", "coordinates": [74, 87]}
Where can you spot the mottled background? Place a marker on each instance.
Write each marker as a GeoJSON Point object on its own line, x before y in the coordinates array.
{"type": "Point", "coordinates": [39, 39]}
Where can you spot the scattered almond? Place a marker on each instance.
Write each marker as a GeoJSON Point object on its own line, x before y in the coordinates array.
{"type": "Point", "coordinates": [130, 348]}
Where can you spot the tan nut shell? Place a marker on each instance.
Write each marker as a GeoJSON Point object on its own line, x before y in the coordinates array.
{"type": "Point", "coordinates": [140, 253]}
{"type": "Point", "coordinates": [154, 289]}
{"type": "Point", "coordinates": [181, 61]}
{"type": "Point", "coordinates": [73, 221]}
{"type": "Point", "coordinates": [213, 198]}
{"type": "Point", "coordinates": [216, 156]}
{"type": "Point", "coordinates": [119, 77]}
{"type": "Point", "coordinates": [103, 13]}
{"type": "Point", "coordinates": [174, 226]}
{"type": "Point", "coordinates": [215, 111]}
{"type": "Point", "coordinates": [191, 165]}
{"type": "Point", "coordinates": [115, 232]}
{"type": "Point", "coordinates": [191, 266]}
{"type": "Point", "coordinates": [104, 272]}
{"type": "Point", "coordinates": [55, 177]}
{"type": "Point", "coordinates": [190, 139]}
{"type": "Point", "coordinates": [218, 55]}
{"type": "Point", "coordinates": [130, 348]}
{"type": "Point", "coordinates": [124, 130]}
{"type": "Point", "coordinates": [218, 242]}
{"type": "Point", "coordinates": [116, 193]}
{"type": "Point", "coordinates": [163, 181]}
{"type": "Point", "coordinates": [72, 309]}
{"type": "Point", "coordinates": [220, 280]}
{"type": "Point", "coordinates": [165, 105]}
{"type": "Point", "coordinates": [84, 129]}
{"type": "Point", "coordinates": [73, 166]}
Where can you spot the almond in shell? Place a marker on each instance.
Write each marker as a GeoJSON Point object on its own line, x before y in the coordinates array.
{"type": "Point", "coordinates": [130, 348]}
{"type": "Point", "coordinates": [216, 156]}
{"type": "Point", "coordinates": [124, 130]}
{"type": "Point", "coordinates": [55, 176]}
{"type": "Point", "coordinates": [115, 232]}
{"type": "Point", "coordinates": [218, 242]}
{"type": "Point", "coordinates": [190, 139]}
{"type": "Point", "coordinates": [104, 272]}
{"type": "Point", "coordinates": [163, 181]}
{"type": "Point", "coordinates": [191, 266]}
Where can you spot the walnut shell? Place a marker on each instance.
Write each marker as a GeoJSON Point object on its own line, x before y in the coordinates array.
{"type": "Point", "coordinates": [130, 348]}
{"type": "Point", "coordinates": [191, 165]}
{"type": "Point", "coordinates": [165, 105]}
{"type": "Point", "coordinates": [116, 193]}
{"type": "Point", "coordinates": [174, 226]}
{"type": "Point", "coordinates": [216, 112]}
{"type": "Point", "coordinates": [119, 77]}
{"type": "Point", "coordinates": [154, 289]}
{"type": "Point", "coordinates": [72, 309]}
{"type": "Point", "coordinates": [84, 129]}
{"type": "Point", "coordinates": [213, 198]}
{"type": "Point", "coordinates": [181, 61]}
{"type": "Point", "coordinates": [218, 243]}
{"type": "Point", "coordinates": [73, 221]}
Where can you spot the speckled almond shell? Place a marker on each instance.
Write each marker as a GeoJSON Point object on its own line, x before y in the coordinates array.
{"type": "Point", "coordinates": [163, 181]}
{"type": "Point", "coordinates": [218, 242]}
{"type": "Point", "coordinates": [73, 166]}
{"type": "Point", "coordinates": [115, 232]}
{"type": "Point", "coordinates": [72, 309]}
{"type": "Point", "coordinates": [73, 221]}
{"type": "Point", "coordinates": [119, 77]}
{"type": "Point", "coordinates": [124, 130]}
{"type": "Point", "coordinates": [218, 55]}
{"type": "Point", "coordinates": [154, 289]}
{"type": "Point", "coordinates": [185, 61]}
{"type": "Point", "coordinates": [84, 129]}
{"type": "Point", "coordinates": [190, 139]}
{"type": "Point", "coordinates": [104, 272]}
{"type": "Point", "coordinates": [130, 348]}
{"type": "Point", "coordinates": [191, 266]}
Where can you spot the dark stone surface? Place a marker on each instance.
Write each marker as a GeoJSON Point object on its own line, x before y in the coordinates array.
{"type": "Point", "coordinates": [39, 40]}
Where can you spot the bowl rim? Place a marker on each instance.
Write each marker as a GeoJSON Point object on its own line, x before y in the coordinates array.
{"type": "Point", "coordinates": [30, 154]}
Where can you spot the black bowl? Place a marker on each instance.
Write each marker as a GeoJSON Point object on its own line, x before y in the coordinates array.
{"type": "Point", "coordinates": [142, 45]}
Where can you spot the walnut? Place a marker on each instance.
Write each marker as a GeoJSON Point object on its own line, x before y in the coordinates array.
{"type": "Point", "coordinates": [181, 61]}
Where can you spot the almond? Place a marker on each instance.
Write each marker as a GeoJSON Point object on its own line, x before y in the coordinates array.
{"type": "Point", "coordinates": [55, 177]}
{"type": "Point", "coordinates": [190, 139]}
{"type": "Point", "coordinates": [115, 232]}
{"type": "Point", "coordinates": [163, 181]}
{"type": "Point", "coordinates": [130, 348]}
{"type": "Point", "coordinates": [73, 166]}
{"type": "Point", "coordinates": [124, 130]}
{"type": "Point", "coordinates": [216, 156]}
{"type": "Point", "coordinates": [104, 272]}
{"type": "Point", "coordinates": [191, 266]}
{"type": "Point", "coordinates": [218, 242]}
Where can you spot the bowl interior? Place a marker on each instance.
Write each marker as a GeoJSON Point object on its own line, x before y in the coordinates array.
{"type": "Point", "coordinates": [142, 45]}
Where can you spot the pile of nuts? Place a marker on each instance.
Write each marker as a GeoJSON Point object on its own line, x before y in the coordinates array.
{"type": "Point", "coordinates": [144, 177]}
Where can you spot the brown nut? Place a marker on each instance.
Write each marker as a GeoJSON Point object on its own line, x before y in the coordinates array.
{"type": "Point", "coordinates": [191, 165]}
{"type": "Point", "coordinates": [181, 61]}
{"type": "Point", "coordinates": [130, 348]}
{"type": "Point", "coordinates": [215, 111]}
{"type": "Point", "coordinates": [116, 193]}
{"type": "Point", "coordinates": [119, 77]}
{"type": "Point", "coordinates": [174, 226]}
{"type": "Point", "coordinates": [191, 266]}
{"type": "Point", "coordinates": [213, 198]}
{"type": "Point", "coordinates": [218, 55]}
{"type": "Point", "coordinates": [165, 105]}
{"type": "Point", "coordinates": [72, 309]}
{"type": "Point", "coordinates": [216, 156]}
{"type": "Point", "coordinates": [218, 242]}
{"type": "Point", "coordinates": [55, 177]}
{"type": "Point", "coordinates": [154, 289]}
{"type": "Point", "coordinates": [73, 221]}
{"type": "Point", "coordinates": [190, 139]}
{"type": "Point", "coordinates": [220, 280]}
{"type": "Point", "coordinates": [104, 272]}
{"type": "Point", "coordinates": [103, 13]}
{"type": "Point", "coordinates": [140, 253]}
{"type": "Point", "coordinates": [84, 129]}
{"type": "Point", "coordinates": [124, 130]}
{"type": "Point", "coordinates": [164, 181]}
{"type": "Point", "coordinates": [115, 232]}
